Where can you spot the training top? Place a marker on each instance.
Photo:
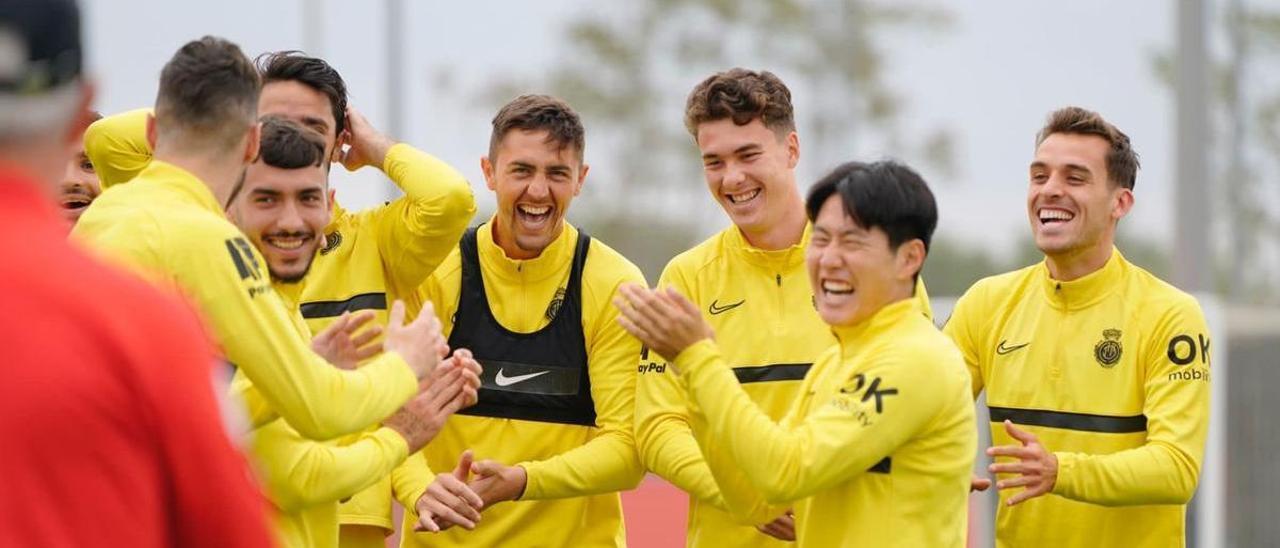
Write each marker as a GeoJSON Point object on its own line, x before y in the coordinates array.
{"type": "Point", "coordinates": [1111, 372]}
{"type": "Point", "coordinates": [877, 449]}
{"type": "Point", "coordinates": [370, 258]}
{"type": "Point", "coordinates": [761, 307]}
{"type": "Point", "coordinates": [582, 467]}
{"type": "Point", "coordinates": [167, 225]}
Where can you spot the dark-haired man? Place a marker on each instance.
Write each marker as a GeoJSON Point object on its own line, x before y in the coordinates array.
{"type": "Point", "coordinates": [1096, 372]}
{"type": "Point", "coordinates": [530, 295]}
{"type": "Point", "coordinates": [748, 279]}
{"type": "Point", "coordinates": [877, 448]}
{"type": "Point", "coordinates": [284, 201]}
{"type": "Point", "coordinates": [366, 259]}
{"type": "Point", "coordinates": [170, 224]}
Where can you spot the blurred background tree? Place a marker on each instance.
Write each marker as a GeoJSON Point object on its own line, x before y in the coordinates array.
{"type": "Point", "coordinates": [628, 70]}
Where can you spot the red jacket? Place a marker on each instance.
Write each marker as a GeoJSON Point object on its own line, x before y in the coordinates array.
{"type": "Point", "coordinates": [110, 434]}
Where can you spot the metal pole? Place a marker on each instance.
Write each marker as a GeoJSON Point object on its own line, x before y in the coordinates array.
{"type": "Point", "coordinates": [394, 46]}
{"type": "Point", "coordinates": [313, 27]}
{"type": "Point", "coordinates": [1191, 256]}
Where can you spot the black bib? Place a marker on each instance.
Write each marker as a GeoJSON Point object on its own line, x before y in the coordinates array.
{"type": "Point", "coordinates": [539, 376]}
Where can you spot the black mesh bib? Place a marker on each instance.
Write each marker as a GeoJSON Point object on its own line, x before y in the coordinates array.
{"type": "Point", "coordinates": [539, 376]}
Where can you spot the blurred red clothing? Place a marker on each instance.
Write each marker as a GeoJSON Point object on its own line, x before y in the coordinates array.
{"type": "Point", "coordinates": [110, 433]}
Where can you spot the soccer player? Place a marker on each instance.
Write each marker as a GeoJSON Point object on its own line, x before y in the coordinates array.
{"type": "Point", "coordinates": [1096, 372]}
{"type": "Point", "coordinates": [530, 295]}
{"type": "Point", "coordinates": [79, 181]}
{"type": "Point", "coordinates": [283, 209]}
{"type": "Point", "coordinates": [367, 258]}
{"type": "Point", "coordinates": [748, 278]}
{"type": "Point", "coordinates": [374, 256]}
{"type": "Point", "coordinates": [107, 411]}
{"type": "Point", "coordinates": [878, 446]}
{"type": "Point", "coordinates": [169, 223]}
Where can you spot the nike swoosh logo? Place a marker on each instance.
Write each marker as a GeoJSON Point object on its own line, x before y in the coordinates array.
{"type": "Point", "coordinates": [1002, 349]}
{"type": "Point", "coordinates": [503, 380]}
{"type": "Point", "coordinates": [715, 309]}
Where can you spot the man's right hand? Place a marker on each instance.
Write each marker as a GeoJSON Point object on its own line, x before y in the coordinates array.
{"type": "Point", "coordinates": [451, 386]}
{"type": "Point", "coordinates": [449, 501]}
{"type": "Point", "coordinates": [420, 343]}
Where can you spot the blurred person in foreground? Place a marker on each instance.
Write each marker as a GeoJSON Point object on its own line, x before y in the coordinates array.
{"type": "Point", "coordinates": [112, 429]}
{"type": "Point", "coordinates": [1096, 372]}
{"type": "Point", "coordinates": [878, 446]}
{"type": "Point", "coordinates": [749, 279]}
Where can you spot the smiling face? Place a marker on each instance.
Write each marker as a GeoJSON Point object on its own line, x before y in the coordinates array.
{"type": "Point", "coordinates": [535, 179]}
{"type": "Point", "coordinates": [284, 212]}
{"type": "Point", "coordinates": [1071, 204]}
{"type": "Point", "coordinates": [750, 171]}
{"type": "Point", "coordinates": [79, 186]}
{"type": "Point", "coordinates": [853, 270]}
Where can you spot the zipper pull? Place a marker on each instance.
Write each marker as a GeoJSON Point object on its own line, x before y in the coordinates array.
{"type": "Point", "coordinates": [779, 279]}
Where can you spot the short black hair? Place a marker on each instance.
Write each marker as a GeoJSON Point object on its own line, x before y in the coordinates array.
{"type": "Point", "coordinates": [209, 88]}
{"type": "Point", "coordinates": [884, 194]}
{"type": "Point", "coordinates": [313, 72]}
{"type": "Point", "coordinates": [289, 145]}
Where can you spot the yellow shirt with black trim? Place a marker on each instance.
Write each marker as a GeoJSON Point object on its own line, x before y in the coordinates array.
{"type": "Point", "coordinates": [305, 479]}
{"type": "Point", "coordinates": [877, 449]}
{"type": "Point", "coordinates": [1111, 372]}
{"type": "Point", "coordinates": [370, 258]}
{"type": "Point", "coordinates": [574, 472]}
{"type": "Point", "coordinates": [760, 304]}
{"type": "Point", "coordinates": [167, 225]}
{"type": "Point", "coordinates": [375, 256]}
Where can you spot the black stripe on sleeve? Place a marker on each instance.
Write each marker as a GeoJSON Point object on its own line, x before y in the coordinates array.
{"type": "Point", "coordinates": [776, 372]}
{"type": "Point", "coordinates": [329, 309]}
{"type": "Point", "coordinates": [1071, 421]}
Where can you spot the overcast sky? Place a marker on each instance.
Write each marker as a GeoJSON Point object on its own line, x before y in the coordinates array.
{"type": "Point", "coordinates": [991, 78]}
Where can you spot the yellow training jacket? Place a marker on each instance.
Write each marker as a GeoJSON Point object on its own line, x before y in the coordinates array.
{"type": "Point", "coordinates": [582, 467]}
{"type": "Point", "coordinates": [305, 479]}
{"type": "Point", "coordinates": [1111, 372]}
{"type": "Point", "coordinates": [371, 258]}
{"type": "Point", "coordinates": [167, 225]}
{"type": "Point", "coordinates": [761, 307]}
{"type": "Point", "coordinates": [877, 450]}
{"type": "Point", "coordinates": [375, 256]}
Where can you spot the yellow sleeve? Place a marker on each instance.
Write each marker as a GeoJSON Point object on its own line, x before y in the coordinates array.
{"type": "Point", "coordinates": [875, 411]}
{"type": "Point", "coordinates": [255, 406]}
{"type": "Point", "coordinates": [301, 473]}
{"type": "Point", "coordinates": [609, 461]}
{"type": "Point", "coordinates": [117, 146]}
{"type": "Point", "coordinates": [1166, 469]}
{"type": "Point", "coordinates": [417, 231]}
{"type": "Point", "coordinates": [262, 337]}
{"type": "Point", "coordinates": [962, 327]}
{"type": "Point", "coordinates": [662, 430]}
{"type": "Point", "coordinates": [410, 480]}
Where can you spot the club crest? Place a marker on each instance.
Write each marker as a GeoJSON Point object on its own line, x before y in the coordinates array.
{"type": "Point", "coordinates": [1108, 350]}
